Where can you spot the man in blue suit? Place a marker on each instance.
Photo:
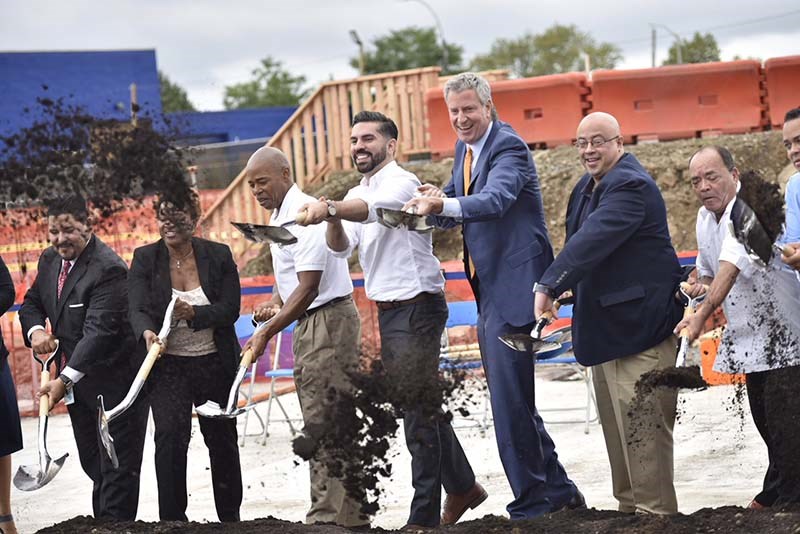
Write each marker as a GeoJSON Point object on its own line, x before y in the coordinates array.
{"type": "Point", "coordinates": [494, 193]}
{"type": "Point", "coordinates": [619, 261]}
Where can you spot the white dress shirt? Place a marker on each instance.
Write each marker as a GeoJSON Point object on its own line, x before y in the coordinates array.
{"type": "Point", "coordinates": [398, 264]}
{"type": "Point", "coordinates": [451, 207]}
{"type": "Point", "coordinates": [310, 253]}
{"type": "Point", "coordinates": [761, 308]}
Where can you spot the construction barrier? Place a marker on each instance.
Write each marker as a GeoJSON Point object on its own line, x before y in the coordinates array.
{"type": "Point", "coordinates": [683, 101]}
{"type": "Point", "coordinates": [783, 86]}
{"type": "Point", "coordinates": [544, 111]}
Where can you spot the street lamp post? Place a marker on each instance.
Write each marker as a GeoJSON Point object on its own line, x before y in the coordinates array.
{"type": "Point", "coordinates": [677, 37]}
{"type": "Point", "coordinates": [445, 56]}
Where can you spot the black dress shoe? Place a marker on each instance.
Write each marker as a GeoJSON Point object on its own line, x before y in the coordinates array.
{"type": "Point", "coordinates": [577, 502]}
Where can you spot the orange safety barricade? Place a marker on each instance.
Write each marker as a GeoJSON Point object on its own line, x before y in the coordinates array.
{"type": "Point", "coordinates": [783, 86]}
{"type": "Point", "coordinates": [683, 101]}
{"type": "Point", "coordinates": [544, 111]}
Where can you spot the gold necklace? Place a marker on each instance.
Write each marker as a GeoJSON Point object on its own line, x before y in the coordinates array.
{"type": "Point", "coordinates": [178, 260]}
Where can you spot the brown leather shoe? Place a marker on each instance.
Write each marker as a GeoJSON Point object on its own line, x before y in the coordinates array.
{"type": "Point", "coordinates": [456, 505]}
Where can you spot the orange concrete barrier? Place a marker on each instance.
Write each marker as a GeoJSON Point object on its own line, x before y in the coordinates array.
{"type": "Point", "coordinates": [783, 86]}
{"type": "Point", "coordinates": [681, 101]}
{"type": "Point", "coordinates": [708, 353]}
{"type": "Point", "coordinates": [544, 111]}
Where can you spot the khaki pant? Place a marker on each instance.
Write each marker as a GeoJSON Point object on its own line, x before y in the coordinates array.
{"type": "Point", "coordinates": [326, 345]}
{"type": "Point", "coordinates": [639, 445]}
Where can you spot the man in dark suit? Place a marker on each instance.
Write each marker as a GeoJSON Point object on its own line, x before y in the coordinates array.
{"type": "Point", "coordinates": [81, 289]}
{"type": "Point", "coordinates": [494, 192]}
{"type": "Point", "coordinates": [619, 261]}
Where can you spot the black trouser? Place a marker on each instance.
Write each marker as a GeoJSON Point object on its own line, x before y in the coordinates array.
{"type": "Point", "coordinates": [115, 494]}
{"type": "Point", "coordinates": [774, 398]}
{"type": "Point", "coordinates": [410, 337]}
{"type": "Point", "coordinates": [176, 383]}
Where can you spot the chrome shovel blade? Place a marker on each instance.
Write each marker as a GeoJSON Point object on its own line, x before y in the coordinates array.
{"type": "Point", "coordinates": [105, 433]}
{"type": "Point", "coordinates": [526, 343]}
{"type": "Point", "coordinates": [212, 410]}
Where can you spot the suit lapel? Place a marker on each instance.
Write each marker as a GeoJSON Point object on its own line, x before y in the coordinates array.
{"type": "Point", "coordinates": [203, 265]}
{"type": "Point", "coordinates": [483, 159]}
{"type": "Point", "coordinates": [162, 285]}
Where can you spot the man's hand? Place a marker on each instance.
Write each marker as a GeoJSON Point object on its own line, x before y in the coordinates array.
{"type": "Point", "coordinates": [793, 260]}
{"type": "Point", "coordinates": [265, 311]}
{"type": "Point", "coordinates": [150, 337]}
{"type": "Point", "coordinates": [693, 325]}
{"type": "Point", "coordinates": [182, 311]}
{"type": "Point", "coordinates": [424, 206]}
{"type": "Point", "coordinates": [315, 212]}
{"type": "Point", "coordinates": [43, 342]}
{"type": "Point", "coordinates": [542, 304]}
{"type": "Point", "coordinates": [55, 389]}
{"type": "Point", "coordinates": [693, 290]}
{"type": "Point", "coordinates": [258, 342]}
{"type": "Point", "coordinates": [430, 190]}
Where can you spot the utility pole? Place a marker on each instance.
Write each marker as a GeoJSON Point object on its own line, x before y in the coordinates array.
{"type": "Point", "coordinates": [653, 46]}
{"type": "Point", "coordinates": [357, 40]}
{"type": "Point", "coordinates": [445, 56]}
{"type": "Point", "coordinates": [678, 42]}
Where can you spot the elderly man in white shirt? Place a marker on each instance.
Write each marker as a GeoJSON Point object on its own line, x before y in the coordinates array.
{"type": "Point", "coordinates": [403, 277]}
{"type": "Point", "coordinates": [313, 288]}
{"type": "Point", "coordinates": [762, 336]}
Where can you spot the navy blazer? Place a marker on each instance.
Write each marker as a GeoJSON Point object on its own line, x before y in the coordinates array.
{"type": "Point", "coordinates": [90, 319]}
{"type": "Point", "coordinates": [503, 222]}
{"type": "Point", "coordinates": [620, 263]}
{"type": "Point", "coordinates": [150, 290]}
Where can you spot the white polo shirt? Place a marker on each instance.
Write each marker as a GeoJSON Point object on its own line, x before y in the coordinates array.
{"type": "Point", "coordinates": [398, 264]}
{"type": "Point", "coordinates": [762, 308]}
{"type": "Point", "coordinates": [310, 253]}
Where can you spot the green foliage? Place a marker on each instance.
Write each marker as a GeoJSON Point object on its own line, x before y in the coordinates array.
{"type": "Point", "coordinates": [558, 49]}
{"type": "Point", "coordinates": [271, 85]}
{"type": "Point", "coordinates": [173, 96]}
{"type": "Point", "coordinates": [701, 49]}
{"type": "Point", "coordinates": [410, 48]}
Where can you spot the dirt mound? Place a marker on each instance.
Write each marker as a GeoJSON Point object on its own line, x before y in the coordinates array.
{"type": "Point", "coordinates": [559, 169]}
{"type": "Point", "coordinates": [729, 519]}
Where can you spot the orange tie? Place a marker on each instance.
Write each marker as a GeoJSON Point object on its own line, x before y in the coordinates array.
{"type": "Point", "coordinates": [467, 179]}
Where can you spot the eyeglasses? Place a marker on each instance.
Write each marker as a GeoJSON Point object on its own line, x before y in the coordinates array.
{"type": "Point", "coordinates": [596, 142]}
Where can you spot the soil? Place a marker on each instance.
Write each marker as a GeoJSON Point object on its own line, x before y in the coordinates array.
{"type": "Point", "coordinates": [766, 201]}
{"type": "Point", "coordinates": [111, 164]}
{"type": "Point", "coordinates": [728, 520]}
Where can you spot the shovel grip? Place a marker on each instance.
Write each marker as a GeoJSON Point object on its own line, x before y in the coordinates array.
{"type": "Point", "coordinates": [149, 361]}
{"type": "Point", "coordinates": [247, 358]}
{"type": "Point", "coordinates": [44, 400]}
{"type": "Point", "coordinates": [688, 311]}
{"type": "Point", "coordinates": [300, 218]}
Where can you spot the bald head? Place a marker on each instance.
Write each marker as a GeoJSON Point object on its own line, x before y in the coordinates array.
{"type": "Point", "coordinates": [269, 176]}
{"type": "Point", "coordinates": [599, 142]}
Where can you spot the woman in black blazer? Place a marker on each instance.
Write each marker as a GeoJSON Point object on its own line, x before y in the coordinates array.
{"type": "Point", "coordinates": [201, 354]}
{"type": "Point", "coordinates": [10, 429]}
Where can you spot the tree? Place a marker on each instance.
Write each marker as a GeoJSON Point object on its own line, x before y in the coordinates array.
{"type": "Point", "coordinates": [271, 85]}
{"type": "Point", "coordinates": [701, 49]}
{"type": "Point", "coordinates": [558, 49]}
{"type": "Point", "coordinates": [173, 96]}
{"type": "Point", "coordinates": [410, 48]}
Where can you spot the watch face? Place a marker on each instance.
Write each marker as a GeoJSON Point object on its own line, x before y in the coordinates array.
{"type": "Point", "coordinates": [331, 210]}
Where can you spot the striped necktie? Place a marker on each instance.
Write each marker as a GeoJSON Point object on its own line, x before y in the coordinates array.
{"type": "Point", "coordinates": [467, 179]}
{"type": "Point", "coordinates": [62, 277]}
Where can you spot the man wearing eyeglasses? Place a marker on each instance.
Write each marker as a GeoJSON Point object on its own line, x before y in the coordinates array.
{"type": "Point", "coordinates": [619, 261]}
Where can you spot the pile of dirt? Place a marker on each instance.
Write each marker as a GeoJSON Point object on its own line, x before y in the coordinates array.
{"type": "Point", "coordinates": [559, 169]}
{"type": "Point", "coordinates": [729, 519]}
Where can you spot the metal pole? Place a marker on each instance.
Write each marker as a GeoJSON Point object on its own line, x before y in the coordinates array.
{"type": "Point", "coordinates": [445, 54]}
{"type": "Point", "coordinates": [653, 34]}
{"type": "Point", "coordinates": [357, 40]}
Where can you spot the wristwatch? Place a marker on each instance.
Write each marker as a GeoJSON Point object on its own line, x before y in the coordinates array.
{"type": "Point", "coordinates": [66, 380]}
{"type": "Point", "coordinates": [547, 290]}
{"type": "Point", "coordinates": [331, 208]}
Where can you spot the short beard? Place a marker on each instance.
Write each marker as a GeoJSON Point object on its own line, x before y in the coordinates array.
{"type": "Point", "coordinates": [374, 161]}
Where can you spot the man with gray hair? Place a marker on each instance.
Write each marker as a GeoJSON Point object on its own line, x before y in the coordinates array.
{"type": "Point", "coordinates": [494, 194]}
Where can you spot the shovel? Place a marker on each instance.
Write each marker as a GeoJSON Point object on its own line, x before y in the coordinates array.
{"type": "Point", "coordinates": [534, 342]}
{"type": "Point", "coordinates": [691, 306]}
{"type": "Point", "coordinates": [212, 409]}
{"type": "Point", "coordinates": [105, 417]}
{"type": "Point", "coordinates": [34, 476]}
{"type": "Point", "coordinates": [748, 231]}
{"type": "Point", "coordinates": [397, 219]}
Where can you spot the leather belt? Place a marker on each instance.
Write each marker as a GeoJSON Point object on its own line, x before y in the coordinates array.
{"type": "Point", "coordinates": [311, 311]}
{"type": "Point", "coordinates": [392, 304]}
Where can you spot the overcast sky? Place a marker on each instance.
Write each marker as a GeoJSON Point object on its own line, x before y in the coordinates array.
{"type": "Point", "coordinates": [204, 45]}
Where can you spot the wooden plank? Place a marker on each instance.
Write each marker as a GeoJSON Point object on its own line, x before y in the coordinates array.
{"type": "Point", "coordinates": [332, 122]}
{"type": "Point", "coordinates": [323, 144]}
{"type": "Point", "coordinates": [380, 95]}
{"type": "Point", "coordinates": [392, 106]}
{"type": "Point", "coordinates": [300, 174]}
{"type": "Point", "coordinates": [344, 110]}
{"type": "Point", "coordinates": [417, 114]}
{"type": "Point", "coordinates": [405, 113]}
{"type": "Point", "coordinates": [367, 102]}
{"type": "Point", "coordinates": [356, 102]}
{"type": "Point", "coordinates": [309, 150]}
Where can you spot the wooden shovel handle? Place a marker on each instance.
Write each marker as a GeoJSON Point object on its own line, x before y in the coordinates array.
{"type": "Point", "coordinates": [149, 361]}
{"type": "Point", "coordinates": [300, 218]}
{"type": "Point", "coordinates": [688, 311]}
{"type": "Point", "coordinates": [247, 358]}
{"type": "Point", "coordinates": [44, 400]}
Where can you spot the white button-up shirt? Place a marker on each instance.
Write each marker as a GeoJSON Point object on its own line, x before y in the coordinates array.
{"type": "Point", "coordinates": [310, 253]}
{"type": "Point", "coordinates": [398, 264]}
{"type": "Point", "coordinates": [451, 207]}
{"type": "Point", "coordinates": [762, 308]}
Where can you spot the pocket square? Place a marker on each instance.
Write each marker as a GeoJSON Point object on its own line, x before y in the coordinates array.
{"type": "Point", "coordinates": [79, 305]}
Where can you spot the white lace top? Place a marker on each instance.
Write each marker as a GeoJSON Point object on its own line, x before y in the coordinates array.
{"type": "Point", "coordinates": [185, 341]}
